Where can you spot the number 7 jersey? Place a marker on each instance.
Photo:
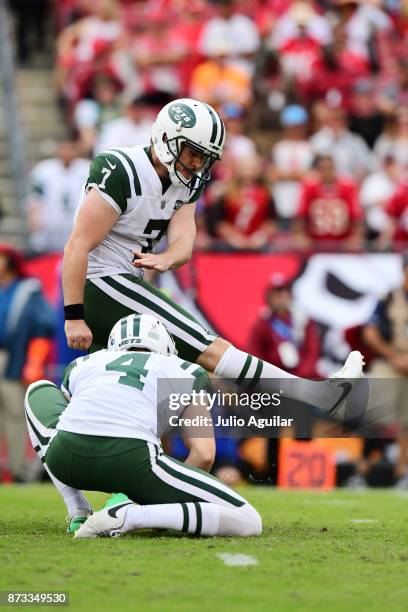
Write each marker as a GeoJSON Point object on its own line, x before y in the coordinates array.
{"type": "Point", "coordinates": [127, 394]}
{"type": "Point", "coordinates": [126, 179]}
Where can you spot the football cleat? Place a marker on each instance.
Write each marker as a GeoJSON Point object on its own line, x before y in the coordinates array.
{"type": "Point", "coordinates": [108, 522]}
{"type": "Point", "coordinates": [349, 374]}
{"type": "Point", "coordinates": [353, 367]}
{"type": "Point", "coordinates": [116, 498]}
{"type": "Point", "coordinates": [77, 520]}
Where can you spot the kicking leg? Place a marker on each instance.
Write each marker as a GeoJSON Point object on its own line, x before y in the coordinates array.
{"type": "Point", "coordinates": [229, 362]}
{"type": "Point", "coordinates": [122, 294]}
{"type": "Point", "coordinates": [44, 403]}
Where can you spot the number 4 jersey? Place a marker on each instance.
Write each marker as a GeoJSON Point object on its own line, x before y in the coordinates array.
{"type": "Point", "coordinates": [128, 394]}
{"type": "Point", "coordinates": [127, 181]}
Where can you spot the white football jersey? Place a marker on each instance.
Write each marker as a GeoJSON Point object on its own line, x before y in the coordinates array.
{"type": "Point", "coordinates": [55, 190]}
{"type": "Point", "coordinates": [127, 181]}
{"type": "Point", "coordinates": [126, 394]}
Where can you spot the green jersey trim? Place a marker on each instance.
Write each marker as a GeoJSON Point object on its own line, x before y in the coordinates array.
{"type": "Point", "coordinates": [166, 183]}
{"type": "Point", "coordinates": [197, 194]}
{"type": "Point", "coordinates": [109, 176]}
{"type": "Point", "coordinates": [201, 379]}
{"type": "Point", "coordinates": [148, 152]}
{"type": "Point", "coordinates": [67, 374]}
{"type": "Point", "coordinates": [37, 188]}
{"type": "Point", "coordinates": [136, 181]}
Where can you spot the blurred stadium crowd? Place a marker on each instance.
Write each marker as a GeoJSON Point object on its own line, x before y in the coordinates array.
{"type": "Point", "coordinates": [315, 100]}
{"type": "Point", "coordinates": [314, 96]}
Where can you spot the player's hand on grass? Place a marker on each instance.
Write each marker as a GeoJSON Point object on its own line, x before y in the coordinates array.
{"type": "Point", "coordinates": [78, 334]}
{"type": "Point", "coordinates": [150, 261]}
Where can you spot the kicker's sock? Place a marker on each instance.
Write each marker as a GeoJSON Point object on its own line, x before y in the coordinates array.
{"type": "Point", "coordinates": [75, 500]}
{"type": "Point", "coordinates": [197, 518]}
{"type": "Point", "coordinates": [240, 367]}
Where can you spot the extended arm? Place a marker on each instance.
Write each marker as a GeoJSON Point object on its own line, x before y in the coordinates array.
{"type": "Point", "coordinates": [95, 220]}
{"type": "Point", "coordinates": [180, 234]}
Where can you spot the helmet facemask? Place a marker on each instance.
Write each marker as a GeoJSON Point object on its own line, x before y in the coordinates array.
{"type": "Point", "coordinates": [200, 177]}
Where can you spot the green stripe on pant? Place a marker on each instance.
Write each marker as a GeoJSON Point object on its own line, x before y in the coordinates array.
{"type": "Point", "coordinates": [199, 519]}
{"type": "Point", "coordinates": [195, 482]}
{"type": "Point", "coordinates": [185, 517]}
{"type": "Point", "coordinates": [103, 310]}
{"type": "Point", "coordinates": [96, 463]}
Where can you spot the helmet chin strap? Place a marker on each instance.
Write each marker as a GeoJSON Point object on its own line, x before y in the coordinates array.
{"type": "Point", "coordinates": [175, 180]}
{"type": "Point", "coordinates": [174, 174]}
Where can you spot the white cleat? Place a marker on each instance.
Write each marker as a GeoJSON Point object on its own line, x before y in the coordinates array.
{"type": "Point", "coordinates": [353, 367]}
{"type": "Point", "coordinates": [347, 376]}
{"type": "Point", "coordinates": [108, 522]}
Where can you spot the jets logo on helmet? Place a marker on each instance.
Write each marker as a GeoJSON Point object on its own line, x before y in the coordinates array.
{"type": "Point", "coordinates": [143, 332]}
{"type": "Point", "coordinates": [188, 122]}
{"type": "Point", "coordinates": [182, 114]}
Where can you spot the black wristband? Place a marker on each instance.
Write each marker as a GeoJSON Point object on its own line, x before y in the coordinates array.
{"type": "Point", "coordinates": [74, 312]}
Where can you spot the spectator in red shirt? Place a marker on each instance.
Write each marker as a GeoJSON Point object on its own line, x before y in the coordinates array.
{"type": "Point", "coordinates": [299, 38]}
{"type": "Point", "coordinates": [397, 211]}
{"type": "Point", "coordinates": [329, 211]}
{"type": "Point", "coordinates": [87, 47]}
{"type": "Point", "coordinates": [267, 12]}
{"type": "Point", "coordinates": [359, 23]}
{"type": "Point", "coordinates": [158, 52]}
{"type": "Point", "coordinates": [283, 334]}
{"type": "Point", "coordinates": [243, 215]}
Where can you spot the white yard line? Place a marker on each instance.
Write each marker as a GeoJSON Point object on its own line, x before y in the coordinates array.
{"type": "Point", "coordinates": [237, 559]}
{"type": "Point", "coordinates": [361, 521]}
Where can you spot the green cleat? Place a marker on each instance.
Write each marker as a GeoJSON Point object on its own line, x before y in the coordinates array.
{"type": "Point", "coordinates": [116, 498]}
{"type": "Point", "coordinates": [76, 521]}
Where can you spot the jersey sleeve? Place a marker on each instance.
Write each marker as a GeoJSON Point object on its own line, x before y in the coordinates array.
{"type": "Point", "coordinates": [201, 381]}
{"type": "Point", "coordinates": [36, 182]}
{"type": "Point", "coordinates": [65, 388]}
{"type": "Point", "coordinates": [109, 177]}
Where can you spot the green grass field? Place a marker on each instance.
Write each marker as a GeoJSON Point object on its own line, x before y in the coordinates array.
{"type": "Point", "coordinates": [311, 556]}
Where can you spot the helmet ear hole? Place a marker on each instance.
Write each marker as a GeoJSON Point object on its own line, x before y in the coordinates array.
{"type": "Point", "coordinates": [164, 138]}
